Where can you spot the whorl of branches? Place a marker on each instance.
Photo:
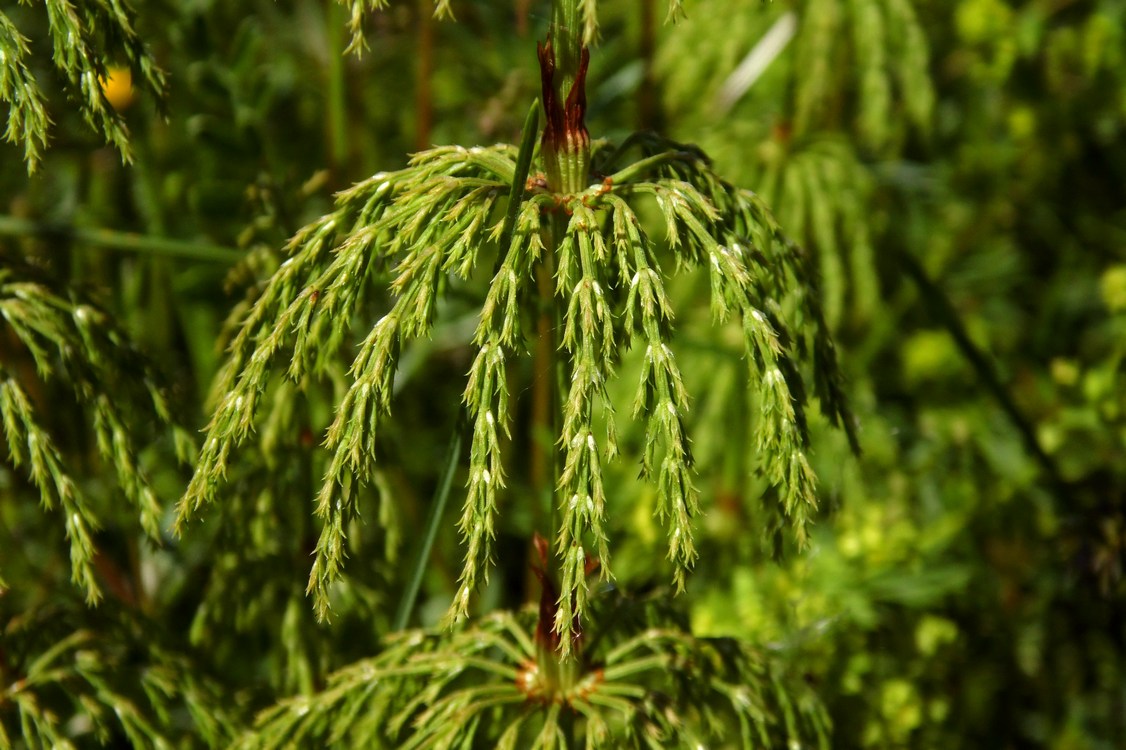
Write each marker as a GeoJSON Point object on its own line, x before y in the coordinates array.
{"type": "Point", "coordinates": [650, 685]}
{"type": "Point", "coordinates": [435, 219]}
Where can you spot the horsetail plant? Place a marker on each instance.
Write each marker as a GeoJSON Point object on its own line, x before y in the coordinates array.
{"type": "Point", "coordinates": [57, 345]}
{"type": "Point", "coordinates": [580, 273]}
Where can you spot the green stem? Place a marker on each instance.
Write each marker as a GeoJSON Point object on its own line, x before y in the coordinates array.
{"type": "Point", "coordinates": [122, 241]}
{"type": "Point", "coordinates": [543, 362]}
{"type": "Point", "coordinates": [567, 36]}
{"type": "Point", "coordinates": [519, 180]}
{"type": "Point", "coordinates": [337, 119]}
{"type": "Point", "coordinates": [433, 520]}
{"type": "Point", "coordinates": [639, 167]}
{"type": "Point", "coordinates": [648, 103]}
{"type": "Point", "coordinates": [941, 306]}
{"type": "Point", "coordinates": [545, 391]}
{"type": "Point", "coordinates": [563, 65]}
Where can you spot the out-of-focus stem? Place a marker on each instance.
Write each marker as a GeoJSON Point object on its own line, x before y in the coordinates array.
{"type": "Point", "coordinates": [113, 240]}
{"type": "Point", "coordinates": [941, 306]}
{"type": "Point", "coordinates": [522, 9]}
{"type": "Point", "coordinates": [424, 98]}
{"type": "Point", "coordinates": [337, 117]}
{"type": "Point", "coordinates": [648, 110]}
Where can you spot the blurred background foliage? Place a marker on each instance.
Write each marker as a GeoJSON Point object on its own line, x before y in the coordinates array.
{"type": "Point", "coordinates": [957, 171]}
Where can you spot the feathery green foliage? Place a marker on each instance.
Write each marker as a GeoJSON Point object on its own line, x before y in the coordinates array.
{"type": "Point", "coordinates": [115, 673]}
{"type": "Point", "coordinates": [822, 189]}
{"type": "Point", "coordinates": [888, 50]}
{"type": "Point", "coordinates": [304, 312]}
{"type": "Point", "coordinates": [646, 683]}
{"type": "Point", "coordinates": [946, 383]}
{"type": "Point", "coordinates": [435, 218]}
{"type": "Point", "coordinates": [357, 9]}
{"type": "Point", "coordinates": [810, 159]}
{"type": "Point", "coordinates": [85, 38]}
{"type": "Point", "coordinates": [27, 116]}
{"type": "Point", "coordinates": [948, 176]}
{"type": "Point", "coordinates": [51, 337]}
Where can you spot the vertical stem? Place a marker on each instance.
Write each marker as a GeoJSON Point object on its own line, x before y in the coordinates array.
{"type": "Point", "coordinates": [424, 100]}
{"type": "Point", "coordinates": [522, 9]}
{"type": "Point", "coordinates": [566, 35]}
{"type": "Point", "coordinates": [566, 156]}
{"type": "Point", "coordinates": [565, 150]}
{"type": "Point", "coordinates": [544, 423]}
{"type": "Point", "coordinates": [433, 521]}
{"type": "Point", "coordinates": [544, 394]}
{"type": "Point", "coordinates": [563, 63]}
{"type": "Point", "coordinates": [337, 123]}
{"type": "Point", "coordinates": [648, 114]}
{"type": "Point", "coordinates": [548, 371]}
